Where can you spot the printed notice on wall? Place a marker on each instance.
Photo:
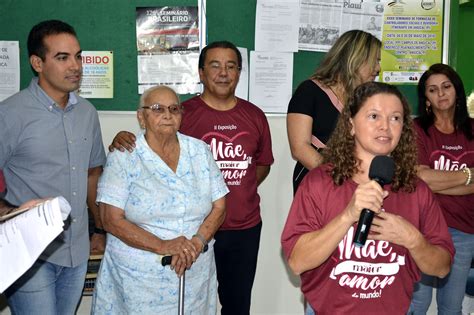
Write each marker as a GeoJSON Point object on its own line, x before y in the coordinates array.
{"type": "Point", "coordinates": [168, 48]}
{"type": "Point", "coordinates": [97, 74]}
{"type": "Point", "coordinates": [276, 27]}
{"type": "Point", "coordinates": [412, 39]}
{"type": "Point", "coordinates": [271, 80]}
{"type": "Point", "coordinates": [9, 68]}
{"type": "Point", "coordinates": [322, 22]}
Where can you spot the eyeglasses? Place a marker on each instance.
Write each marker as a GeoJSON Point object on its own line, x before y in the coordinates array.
{"type": "Point", "coordinates": [218, 67]}
{"type": "Point", "coordinates": [159, 109]}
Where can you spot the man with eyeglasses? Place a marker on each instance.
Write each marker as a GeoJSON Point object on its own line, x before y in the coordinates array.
{"type": "Point", "coordinates": [238, 135]}
{"type": "Point", "coordinates": [51, 145]}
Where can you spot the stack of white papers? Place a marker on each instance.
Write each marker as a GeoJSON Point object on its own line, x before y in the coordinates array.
{"type": "Point", "coordinates": [24, 237]}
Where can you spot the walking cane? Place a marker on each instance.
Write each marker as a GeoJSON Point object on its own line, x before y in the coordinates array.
{"type": "Point", "coordinates": [166, 260]}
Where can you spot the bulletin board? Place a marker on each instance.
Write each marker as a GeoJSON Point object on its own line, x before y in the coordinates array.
{"type": "Point", "coordinates": [110, 25]}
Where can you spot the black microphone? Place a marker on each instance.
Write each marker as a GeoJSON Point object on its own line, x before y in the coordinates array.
{"type": "Point", "coordinates": [381, 170]}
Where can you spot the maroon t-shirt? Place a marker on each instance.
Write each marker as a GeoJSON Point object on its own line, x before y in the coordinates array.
{"type": "Point", "coordinates": [375, 279]}
{"type": "Point", "coordinates": [449, 152]}
{"type": "Point", "coordinates": [2, 182]}
{"type": "Point", "coordinates": [239, 140]}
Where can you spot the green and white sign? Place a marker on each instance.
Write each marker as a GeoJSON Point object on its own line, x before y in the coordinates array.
{"type": "Point", "coordinates": [412, 39]}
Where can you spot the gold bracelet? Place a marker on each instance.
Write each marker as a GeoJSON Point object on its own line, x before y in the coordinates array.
{"type": "Point", "coordinates": [468, 173]}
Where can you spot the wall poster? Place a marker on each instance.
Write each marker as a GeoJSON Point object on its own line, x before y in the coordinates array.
{"type": "Point", "coordinates": [168, 48]}
{"type": "Point", "coordinates": [412, 39]}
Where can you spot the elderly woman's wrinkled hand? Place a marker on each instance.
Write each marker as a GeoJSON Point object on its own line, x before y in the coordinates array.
{"type": "Point", "coordinates": [183, 253]}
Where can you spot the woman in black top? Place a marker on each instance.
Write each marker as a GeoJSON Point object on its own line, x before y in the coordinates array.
{"type": "Point", "coordinates": [314, 108]}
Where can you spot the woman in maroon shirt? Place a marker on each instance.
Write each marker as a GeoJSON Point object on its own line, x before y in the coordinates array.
{"type": "Point", "coordinates": [408, 233]}
{"type": "Point", "coordinates": [445, 163]}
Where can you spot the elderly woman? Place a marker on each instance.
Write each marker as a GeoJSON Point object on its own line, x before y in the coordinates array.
{"type": "Point", "coordinates": [408, 233]}
{"type": "Point", "coordinates": [164, 198]}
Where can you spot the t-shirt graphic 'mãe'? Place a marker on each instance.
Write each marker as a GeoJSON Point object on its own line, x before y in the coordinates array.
{"type": "Point", "coordinates": [230, 155]}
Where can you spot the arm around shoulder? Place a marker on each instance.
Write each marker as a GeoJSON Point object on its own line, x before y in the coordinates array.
{"type": "Point", "coordinates": [123, 140]}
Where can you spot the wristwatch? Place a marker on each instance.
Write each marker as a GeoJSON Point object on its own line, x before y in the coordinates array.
{"type": "Point", "coordinates": [205, 247]}
{"type": "Point", "coordinates": [99, 231]}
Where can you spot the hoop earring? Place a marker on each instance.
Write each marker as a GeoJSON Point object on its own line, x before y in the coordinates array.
{"type": "Point", "coordinates": [428, 109]}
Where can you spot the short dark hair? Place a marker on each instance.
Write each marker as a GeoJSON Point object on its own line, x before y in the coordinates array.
{"type": "Point", "coordinates": [219, 44]}
{"type": "Point", "coordinates": [43, 29]}
{"type": "Point", "coordinates": [461, 119]}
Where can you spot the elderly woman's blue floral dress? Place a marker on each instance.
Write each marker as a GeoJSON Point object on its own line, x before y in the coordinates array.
{"type": "Point", "coordinates": [167, 204]}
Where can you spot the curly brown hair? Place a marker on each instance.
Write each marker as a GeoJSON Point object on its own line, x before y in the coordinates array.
{"type": "Point", "coordinates": [340, 150]}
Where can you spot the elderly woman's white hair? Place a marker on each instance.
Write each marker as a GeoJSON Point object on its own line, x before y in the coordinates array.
{"type": "Point", "coordinates": [153, 89]}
